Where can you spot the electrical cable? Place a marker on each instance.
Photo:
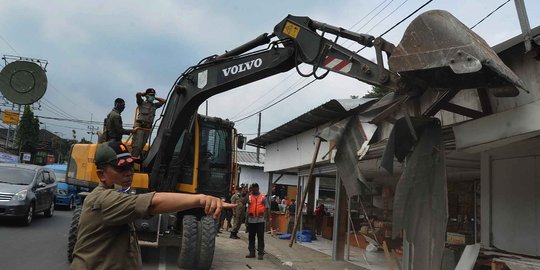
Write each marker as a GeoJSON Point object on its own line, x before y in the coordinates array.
{"type": "Point", "coordinates": [398, 23]}
{"type": "Point", "coordinates": [271, 105]}
{"type": "Point", "coordinates": [490, 14]}
{"type": "Point", "coordinates": [408, 16]}
{"type": "Point", "coordinates": [389, 14]}
{"type": "Point", "coordinates": [321, 76]}
{"type": "Point", "coordinates": [9, 45]}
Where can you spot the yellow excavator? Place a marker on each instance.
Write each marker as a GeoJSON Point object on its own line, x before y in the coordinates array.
{"type": "Point", "coordinates": [195, 154]}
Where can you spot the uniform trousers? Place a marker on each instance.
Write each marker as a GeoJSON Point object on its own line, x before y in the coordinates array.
{"type": "Point", "coordinates": [258, 230]}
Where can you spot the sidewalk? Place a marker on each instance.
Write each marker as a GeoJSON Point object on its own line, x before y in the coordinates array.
{"type": "Point", "coordinates": [297, 257]}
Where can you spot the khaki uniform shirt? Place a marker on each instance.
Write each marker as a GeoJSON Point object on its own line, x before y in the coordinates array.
{"type": "Point", "coordinates": [115, 128]}
{"type": "Point", "coordinates": [147, 112]}
{"type": "Point", "coordinates": [107, 237]}
{"type": "Point", "coordinates": [239, 201]}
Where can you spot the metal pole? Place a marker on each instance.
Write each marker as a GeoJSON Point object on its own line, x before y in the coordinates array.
{"type": "Point", "coordinates": [524, 23]}
{"type": "Point", "coordinates": [349, 221]}
{"type": "Point", "coordinates": [336, 220]}
{"type": "Point", "coordinates": [91, 127]}
{"type": "Point", "coordinates": [206, 107]}
{"type": "Point", "coordinates": [475, 214]}
{"type": "Point", "coordinates": [17, 127]}
{"type": "Point", "coordinates": [300, 206]}
{"type": "Point", "coordinates": [258, 135]}
{"type": "Point", "coordinates": [7, 135]}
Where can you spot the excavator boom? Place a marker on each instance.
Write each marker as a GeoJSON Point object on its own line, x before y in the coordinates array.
{"type": "Point", "coordinates": [412, 66]}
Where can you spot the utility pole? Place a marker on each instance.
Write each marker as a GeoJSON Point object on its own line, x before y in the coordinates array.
{"type": "Point", "coordinates": [258, 135]}
{"type": "Point", "coordinates": [93, 129]}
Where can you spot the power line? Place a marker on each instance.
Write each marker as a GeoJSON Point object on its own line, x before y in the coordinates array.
{"type": "Point", "coordinates": [300, 80]}
{"type": "Point", "coordinates": [398, 23]}
{"type": "Point", "coordinates": [375, 16]}
{"type": "Point", "coordinates": [389, 14]}
{"type": "Point", "coordinates": [271, 105]}
{"type": "Point", "coordinates": [264, 95]}
{"type": "Point", "coordinates": [49, 83]}
{"type": "Point", "coordinates": [289, 88]}
{"type": "Point", "coordinates": [9, 45]}
{"type": "Point", "coordinates": [490, 14]}
{"type": "Point", "coordinates": [408, 16]}
{"type": "Point", "coordinates": [367, 14]}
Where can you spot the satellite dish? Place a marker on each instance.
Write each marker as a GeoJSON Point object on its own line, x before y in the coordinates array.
{"type": "Point", "coordinates": [23, 82]}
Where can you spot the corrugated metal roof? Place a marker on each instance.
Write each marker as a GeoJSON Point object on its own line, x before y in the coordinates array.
{"type": "Point", "coordinates": [246, 158]}
{"type": "Point", "coordinates": [331, 110]}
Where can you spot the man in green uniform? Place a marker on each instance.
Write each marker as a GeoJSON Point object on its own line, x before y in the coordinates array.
{"type": "Point", "coordinates": [145, 118]}
{"type": "Point", "coordinates": [113, 129]}
{"type": "Point", "coordinates": [238, 212]}
{"type": "Point", "coordinates": [107, 238]}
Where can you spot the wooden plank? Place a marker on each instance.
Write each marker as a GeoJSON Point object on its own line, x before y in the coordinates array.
{"type": "Point", "coordinates": [440, 102]}
{"type": "Point", "coordinates": [462, 110]}
{"type": "Point", "coordinates": [300, 205]}
{"type": "Point", "coordinates": [387, 255]}
{"type": "Point", "coordinates": [397, 260]}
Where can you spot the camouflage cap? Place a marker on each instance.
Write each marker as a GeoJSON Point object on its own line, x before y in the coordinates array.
{"type": "Point", "coordinates": [114, 153]}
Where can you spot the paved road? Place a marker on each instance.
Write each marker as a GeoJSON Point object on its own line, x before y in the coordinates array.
{"type": "Point", "coordinates": [42, 245]}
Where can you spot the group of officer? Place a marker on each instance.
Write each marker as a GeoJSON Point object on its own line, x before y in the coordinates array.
{"type": "Point", "coordinates": [252, 208]}
{"type": "Point", "coordinates": [113, 129]}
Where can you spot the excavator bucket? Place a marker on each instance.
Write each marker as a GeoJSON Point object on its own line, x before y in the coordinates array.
{"type": "Point", "coordinates": [440, 50]}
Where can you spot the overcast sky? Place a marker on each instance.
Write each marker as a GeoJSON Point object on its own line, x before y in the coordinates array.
{"type": "Point", "coordinates": [99, 50]}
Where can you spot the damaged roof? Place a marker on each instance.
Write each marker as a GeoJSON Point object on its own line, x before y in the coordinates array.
{"type": "Point", "coordinates": [331, 110]}
{"type": "Point", "coordinates": [246, 158]}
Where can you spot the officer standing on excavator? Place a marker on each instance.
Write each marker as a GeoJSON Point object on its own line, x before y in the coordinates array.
{"type": "Point", "coordinates": [145, 118]}
{"type": "Point", "coordinates": [113, 129]}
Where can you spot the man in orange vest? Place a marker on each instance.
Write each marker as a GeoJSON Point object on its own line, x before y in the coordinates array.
{"type": "Point", "coordinates": [257, 212]}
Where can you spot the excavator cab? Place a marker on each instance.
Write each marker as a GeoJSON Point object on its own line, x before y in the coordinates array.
{"type": "Point", "coordinates": [203, 160]}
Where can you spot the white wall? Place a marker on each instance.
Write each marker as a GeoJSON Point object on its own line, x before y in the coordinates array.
{"type": "Point", "coordinates": [293, 152]}
{"type": "Point", "coordinates": [510, 207]}
{"type": "Point", "coordinates": [251, 175]}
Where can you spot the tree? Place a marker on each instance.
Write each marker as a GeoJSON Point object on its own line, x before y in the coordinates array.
{"type": "Point", "coordinates": [84, 141]}
{"type": "Point", "coordinates": [376, 92]}
{"type": "Point", "coordinates": [28, 133]}
{"type": "Point", "coordinates": [354, 96]}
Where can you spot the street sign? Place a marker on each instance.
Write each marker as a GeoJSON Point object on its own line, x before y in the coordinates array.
{"type": "Point", "coordinates": [10, 117]}
{"type": "Point", "coordinates": [26, 156]}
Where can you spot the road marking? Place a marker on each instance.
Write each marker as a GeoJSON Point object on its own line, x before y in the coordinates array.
{"type": "Point", "coordinates": [162, 258]}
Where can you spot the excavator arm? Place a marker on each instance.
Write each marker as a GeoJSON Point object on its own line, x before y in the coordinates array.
{"type": "Point", "coordinates": [299, 40]}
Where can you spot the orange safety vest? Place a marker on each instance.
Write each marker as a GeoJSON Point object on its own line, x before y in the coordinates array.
{"type": "Point", "coordinates": [256, 206]}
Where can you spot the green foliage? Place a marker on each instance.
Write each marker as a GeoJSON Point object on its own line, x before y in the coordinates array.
{"type": "Point", "coordinates": [376, 92]}
{"type": "Point", "coordinates": [61, 148]}
{"type": "Point", "coordinates": [28, 133]}
{"type": "Point", "coordinates": [84, 141]}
